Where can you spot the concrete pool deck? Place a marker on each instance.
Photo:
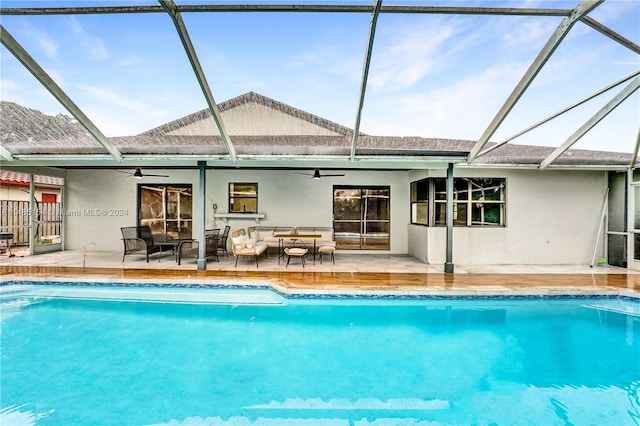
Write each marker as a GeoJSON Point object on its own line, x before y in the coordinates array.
{"type": "Point", "coordinates": [351, 272]}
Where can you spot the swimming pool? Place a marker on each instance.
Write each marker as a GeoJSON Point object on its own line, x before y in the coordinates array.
{"type": "Point", "coordinates": [90, 355]}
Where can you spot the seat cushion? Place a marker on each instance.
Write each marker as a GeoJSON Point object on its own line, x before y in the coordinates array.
{"type": "Point", "coordinates": [294, 251]}
{"type": "Point", "coordinates": [326, 249]}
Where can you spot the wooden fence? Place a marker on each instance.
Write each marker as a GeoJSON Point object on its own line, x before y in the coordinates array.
{"type": "Point", "coordinates": [14, 218]}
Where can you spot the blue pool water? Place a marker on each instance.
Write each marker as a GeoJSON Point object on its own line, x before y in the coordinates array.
{"type": "Point", "coordinates": [94, 361]}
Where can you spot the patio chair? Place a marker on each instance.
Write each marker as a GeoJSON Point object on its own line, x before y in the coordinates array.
{"type": "Point", "coordinates": [296, 252]}
{"type": "Point", "coordinates": [191, 248]}
{"type": "Point", "coordinates": [222, 243]}
{"type": "Point", "coordinates": [213, 241]}
{"type": "Point", "coordinates": [187, 248]}
{"type": "Point", "coordinates": [138, 239]}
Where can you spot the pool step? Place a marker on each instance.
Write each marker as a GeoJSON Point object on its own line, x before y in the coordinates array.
{"type": "Point", "coordinates": [619, 306]}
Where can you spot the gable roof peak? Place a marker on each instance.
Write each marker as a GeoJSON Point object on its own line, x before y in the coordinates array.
{"type": "Point", "coordinates": [285, 108]}
{"type": "Point", "coordinates": [247, 98]}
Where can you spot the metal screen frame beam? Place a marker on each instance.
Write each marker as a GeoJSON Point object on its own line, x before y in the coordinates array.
{"type": "Point", "coordinates": [562, 111]}
{"type": "Point", "coordinates": [552, 44]}
{"type": "Point", "coordinates": [595, 119]}
{"type": "Point", "coordinates": [634, 159]}
{"type": "Point", "coordinates": [610, 33]}
{"type": "Point", "coordinates": [365, 76]}
{"type": "Point", "coordinates": [5, 154]}
{"type": "Point", "coordinates": [41, 75]}
{"type": "Point", "coordinates": [171, 8]}
{"type": "Point", "coordinates": [311, 8]}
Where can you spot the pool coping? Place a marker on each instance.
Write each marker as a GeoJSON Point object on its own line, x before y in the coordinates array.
{"type": "Point", "coordinates": [336, 294]}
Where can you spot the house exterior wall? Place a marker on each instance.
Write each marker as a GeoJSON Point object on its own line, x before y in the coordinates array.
{"type": "Point", "coordinates": [287, 199]}
{"type": "Point", "coordinates": [552, 216]}
{"type": "Point", "coordinates": [100, 202]}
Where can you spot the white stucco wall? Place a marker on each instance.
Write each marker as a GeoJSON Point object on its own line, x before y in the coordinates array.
{"type": "Point", "coordinates": [287, 199]}
{"type": "Point", "coordinates": [99, 202]}
{"type": "Point", "coordinates": [552, 218]}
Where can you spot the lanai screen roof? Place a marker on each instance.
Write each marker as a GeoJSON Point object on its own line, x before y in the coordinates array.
{"type": "Point", "coordinates": [393, 68]}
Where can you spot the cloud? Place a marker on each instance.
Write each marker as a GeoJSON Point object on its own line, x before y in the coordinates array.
{"type": "Point", "coordinates": [42, 40]}
{"type": "Point", "coordinates": [531, 32]}
{"type": "Point", "coordinates": [330, 60]}
{"type": "Point", "coordinates": [413, 53]}
{"type": "Point", "coordinates": [131, 59]}
{"type": "Point", "coordinates": [451, 111]}
{"type": "Point", "coordinates": [8, 85]}
{"type": "Point", "coordinates": [106, 95]}
{"type": "Point", "coordinates": [93, 46]}
{"type": "Point", "coordinates": [117, 115]}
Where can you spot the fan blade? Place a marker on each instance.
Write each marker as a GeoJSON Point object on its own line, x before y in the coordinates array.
{"type": "Point", "coordinates": [331, 175]}
{"type": "Point", "coordinates": [145, 174]}
{"type": "Point", "coordinates": [305, 174]}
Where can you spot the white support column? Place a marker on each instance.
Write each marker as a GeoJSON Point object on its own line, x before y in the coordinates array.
{"type": "Point", "coordinates": [448, 265]}
{"type": "Point", "coordinates": [202, 246]}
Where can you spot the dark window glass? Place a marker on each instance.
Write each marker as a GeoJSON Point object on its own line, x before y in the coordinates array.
{"type": "Point", "coordinates": [166, 209]}
{"type": "Point", "coordinates": [243, 198]}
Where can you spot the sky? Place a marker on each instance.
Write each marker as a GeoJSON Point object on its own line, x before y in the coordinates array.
{"type": "Point", "coordinates": [435, 75]}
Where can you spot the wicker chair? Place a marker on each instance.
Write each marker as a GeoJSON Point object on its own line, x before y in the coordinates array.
{"type": "Point", "coordinates": [191, 248]}
{"type": "Point", "coordinates": [222, 243]}
{"type": "Point", "coordinates": [139, 239]}
{"type": "Point", "coordinates": [187, 248]}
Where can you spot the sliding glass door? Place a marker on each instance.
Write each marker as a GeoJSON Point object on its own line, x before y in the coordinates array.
{"type": "Point", "coordinates": [167, 209]}
{"type": "Point", "coordinates": [361, 217]}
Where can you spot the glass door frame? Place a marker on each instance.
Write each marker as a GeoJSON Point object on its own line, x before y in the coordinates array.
{"type": "Point", "coordinates": [364, 220]}
{"type": "Point", "coordinates": [182, 226]}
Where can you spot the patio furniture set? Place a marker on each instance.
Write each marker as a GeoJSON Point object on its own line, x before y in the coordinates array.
{"type": "Point", "coordinates": [140, 239]}
{"type": "Point", "coordinates": [289, 241]}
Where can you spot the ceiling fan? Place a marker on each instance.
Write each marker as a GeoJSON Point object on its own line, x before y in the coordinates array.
{"type": "Point", "coordinates": [316, 174]}
{"type": "Point", "coordinates": [137, 174]}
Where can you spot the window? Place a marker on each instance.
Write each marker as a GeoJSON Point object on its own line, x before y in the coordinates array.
{"type": "Point", "coordinates": [420, 202]}
{"type": "Point", "coordinates": [243, 198]}
{"type": "Point", "coordinates": [476, 201]}
{"type": "Point", "coordinates": [166, 209]}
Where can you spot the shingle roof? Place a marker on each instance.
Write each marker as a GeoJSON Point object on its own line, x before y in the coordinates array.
{"type": "Point", "coordinates": [246, 98]}
{"type": "Point", "coordinates": [28, 131]}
